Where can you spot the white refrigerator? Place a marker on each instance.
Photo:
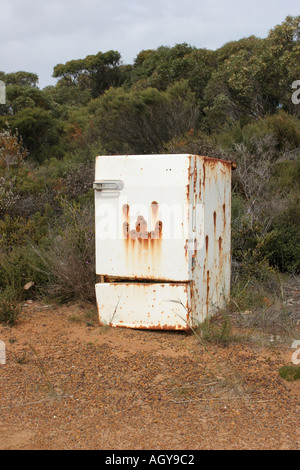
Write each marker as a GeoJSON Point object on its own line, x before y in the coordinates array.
{"type": "Point", "coordinates": [162, 239]}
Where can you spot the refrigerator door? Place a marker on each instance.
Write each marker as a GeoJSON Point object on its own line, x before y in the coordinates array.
{"type": "Point", "coordinates": [143, 217]}
{"type": "Point", "coordinates": [139, 305]}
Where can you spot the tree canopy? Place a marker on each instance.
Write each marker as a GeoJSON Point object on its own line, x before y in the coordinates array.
{"type": "Point", "coordinates": [165, 92]}
{"type": "Point", "coordinates": [98, 72]}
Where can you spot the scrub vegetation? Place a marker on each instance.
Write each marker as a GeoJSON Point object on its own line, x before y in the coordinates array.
{"type": "Point", "coordinates": [233, 103]}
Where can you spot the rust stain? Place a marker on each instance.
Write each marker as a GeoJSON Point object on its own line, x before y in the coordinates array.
{"type": "Point", "coordinates": [186, 246]}
{"type": "Point", "coordinates": [126, 229]}
{"type": "Point", "coordinates": [215, 221]}
{"type": "Point", "coordinates": [189, 167]}
{"type": "Point", "coordinates": [200, 189]}
{"type": "Point", "coordinates": [212, 161]}
{"type": "Point", "coordinates": [207, 291]}
{"type": "Point", "coordinates": [141, 229]}
{"type": "Point", "coordinates": [117, 280]}
{"type": "Point", "coordinates": [195, 177]}
{"type": "Point", "coordinates": [154, 210]}
{"type": "Point", "coordinates": [220, 244]}
{"type": "Point", "coordinates": [158, 228]}
{"type": "Point", "coordinates": [141, 232]}
{"type": "Point", "coordinates": [206, 245]}
{"type": "Point", "coordinates": [142, 244]}
{"type": "Point", "coordinates": [125, 210]}
{"type": "Point", "coordinates": [162, 327]}
{"type": "Point", "coordinates": [188, 192]}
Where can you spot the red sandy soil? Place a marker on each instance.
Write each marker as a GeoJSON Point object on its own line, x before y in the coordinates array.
{"type": "Point", "coordinates": [69, 383]}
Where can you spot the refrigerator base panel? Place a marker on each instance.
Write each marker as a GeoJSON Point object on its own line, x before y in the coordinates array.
{"type": "Point", "coordinates": [162, 306]}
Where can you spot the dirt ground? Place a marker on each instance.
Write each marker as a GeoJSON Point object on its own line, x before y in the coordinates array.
{"type": "Point", "coordinates": [70, 384]}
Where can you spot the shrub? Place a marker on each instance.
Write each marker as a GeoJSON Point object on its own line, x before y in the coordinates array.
{"type": "Point", "coordinates": [251, 246]}
{"type": "Point", "coordinates": [79, 180]}
{"type": "Point", "coordinates": [9, 308]}
{"type": "Point", "coordinates": [143, 121]}
{"type": "Point", "coordinates": [290, 373]}
{"type": "Point", "coordinates": [282, 129]}
{"type": "Point", "coordinates": [70, 255]}
{"type": "Point", "coordinates": [215, 331]}
{"type": "Point", "coordinates": [284, 248]}
{"type": "Point", "coordinates": [18, 231]}
{"type": "Point", "coordinates": [18, 267]}
{"type": "Point", "coordinates": [12, 152]}
{"type": "Point", "coordinates": [8, 195]}
{"type": "Point", "coordinates": [40, 132]}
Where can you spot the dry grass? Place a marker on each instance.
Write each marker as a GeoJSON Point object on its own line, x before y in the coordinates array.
{"type": "Point", "coordinates": [70, 257]}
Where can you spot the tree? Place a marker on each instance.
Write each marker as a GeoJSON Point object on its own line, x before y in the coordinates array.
{"type": "Point", "coordinates": [254, 76]}
{"type": "Point", "coordinates": [142, 121]}
{"type": "Point", "coordinates": [65, 96]}
{"type": "Point", "coordinates": [97, 72]}
{"type": "Point", "coordinates": [22, 92]}
{"type": "Point", "coordinates": [165, 66]}
{"type": "Point", "coordinates": [21, 78]}
{"type": "Point", "coordinates": [21, 97]}
{"type": "Point", "coordinates": [196, 67]}
{"type": "Point", "coordinates": [154, 67]}
{"type": "Point", "coordinates": [235, 89]}
{"type": "Point", "coordinates": [40, 132]}
{"type": "Point", "coordinates": [281, 60]}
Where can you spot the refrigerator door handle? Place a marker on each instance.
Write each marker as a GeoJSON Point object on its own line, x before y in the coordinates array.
{"type": "Point", "coordinates": [108, 185]}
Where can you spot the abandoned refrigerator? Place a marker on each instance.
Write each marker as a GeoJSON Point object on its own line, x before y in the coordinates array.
{"type": "Point", "coordinates": [163, 256]}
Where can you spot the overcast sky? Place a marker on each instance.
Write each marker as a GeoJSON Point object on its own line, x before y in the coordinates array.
{"type": "Point", "coordinates": [36, 35]}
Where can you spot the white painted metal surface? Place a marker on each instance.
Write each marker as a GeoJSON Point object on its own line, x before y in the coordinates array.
{"type": "Point", "coordinates": [138, 305]}
{"type": "Point", "coordinates": [163, 220]}
{"type": "Point", "coordinates": [212, 260]}
{"type": "Point", "coordinates": [154, 191]}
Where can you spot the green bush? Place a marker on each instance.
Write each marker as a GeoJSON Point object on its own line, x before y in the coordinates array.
{"type": "Point", "coordinates": [9, 305]}
{"type": "Point", "coordinates": [284, 248]}
{"type": "Point", "coordinates": [59, 262]}
{"type": "Point", "coordinates": [290, 373]}
{"type": "Point", "coordinates": [282, 128]}
{"type": "Point", "coordinates": [70, 256]}
{"type": "Point", "coordinates": [18, 267]}
{"type": "Point", "coordinates": [251, 247]}
{"type": "Point", "coordinates": [286, 175]}
{"type": "Point", "coordinates": [18, 231]}
{"type": "Point", "coordinates": [213, 330]}
{"type": "Point", "coordinates": [40, 132]}
{"type": "Point", "coordinates": [9, 310]}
